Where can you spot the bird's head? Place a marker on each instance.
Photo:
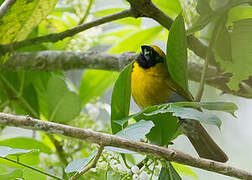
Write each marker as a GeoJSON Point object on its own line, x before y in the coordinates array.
{"type": "Point", "coordinates": [150, 56]}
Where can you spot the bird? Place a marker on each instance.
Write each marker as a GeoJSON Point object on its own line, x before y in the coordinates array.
{"type": "Point", "coordinates": [152, 84]}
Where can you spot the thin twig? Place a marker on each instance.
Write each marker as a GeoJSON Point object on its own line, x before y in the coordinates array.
{"type": "Point", "coordinates": [68, 33]}
{"type": "Point", "coordinates": [90, 3]}
{"type": "Point", "coordinates": [30, 167]}
{"type": "Point", "coordinates": [5, 7]}
{"type": "Point", "coordinates": [115, 141]}
{"type": "Point", "coordinates": [89, 166]}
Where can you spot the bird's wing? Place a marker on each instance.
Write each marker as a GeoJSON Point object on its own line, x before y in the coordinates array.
{"type": "Point", "coordinates": [178, 91]}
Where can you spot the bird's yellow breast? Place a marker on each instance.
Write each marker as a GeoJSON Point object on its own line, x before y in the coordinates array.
{"type": "Point", "coordinates": [149, 86]}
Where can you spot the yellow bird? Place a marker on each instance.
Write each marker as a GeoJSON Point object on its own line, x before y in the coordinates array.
{"type": "Point", "coordinates": [151, 84]}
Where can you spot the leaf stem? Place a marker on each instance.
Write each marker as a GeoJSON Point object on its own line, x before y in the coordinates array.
{"type": "Point", "coordinates": [86, 12]}
{"type": "Point", "coordinates": [30, 167]}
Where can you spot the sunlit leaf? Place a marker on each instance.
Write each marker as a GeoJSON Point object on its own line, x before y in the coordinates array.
{"type": "Point", "coordinates": [133, 41]}
{"type": "Point", "coordinates": [13, 174]}
{"type": "Point", "coordinates": [185, 170]}
{"type": "Point", "coordinates": [5, 151]}
{"type": "Point", "coordinates": [22, 17]}
{"type": "Point", "coordinates": [171, 7]}
{"type": "Point", "coordinates": [94, 83]}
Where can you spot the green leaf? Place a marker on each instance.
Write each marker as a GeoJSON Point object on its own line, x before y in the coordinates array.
{"type": "Point", "coordinates": [190, 113]}
{"type": "Point", "coordinates": [120, 101]}
{"type": "Point", "coordinates": [3, 169]}
{"type": "Point", "coordinates": [217, 106]}
{"type": "Point", "coordinates": [25, 143]}
{"type": "Point", "coordinates": [241, 42]}
{"type": "Point", "coordinates": [133, 41]}
{"type": "Point", "coordinates": [182, 169]}
{"type": "Point", "coordinates": [5, 151]}
{"type": "Point", "coordinates": [239, 13]}
{"type": "Point", "coordinates": [16, 173]}
{"type": "Point", "coordinates": [168, 173]}
{"type": "Point", "coordinates": [79, 164]}
{"type": "Point", "coordinates": [31, 174]}
{"type": "Point", "coordinates": [63, 104]}
{"type": "Point", "coordinates": [222, 43]}
{"type": "Point", "coordinates": [171, 7]}
{"type": "Point", "coordinates": [176, 53]}
{"type": "Point", "coordinates": [22, 17]}
{"type": "Point", "coordinates": [94, 83]}
{"type": "Point", "coordinates": [134, 132]}
{"type": "Point", "coordinates": [165, 128]}
{"type": "Point", "coordinates": [20, 91]}
{"type": "Point", "coordinates": [203, 7]}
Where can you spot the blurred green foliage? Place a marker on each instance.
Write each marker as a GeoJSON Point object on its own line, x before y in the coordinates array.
{"type": "Point", "coordinates": [53, 96]}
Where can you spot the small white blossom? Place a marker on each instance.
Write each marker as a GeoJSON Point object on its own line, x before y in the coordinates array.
{"type": "Point", "coordinates": [135, 169]}
{"type": "Point", "coordinates": [143, 176]}
{"type": "Point", "coordinates": [135, 177]}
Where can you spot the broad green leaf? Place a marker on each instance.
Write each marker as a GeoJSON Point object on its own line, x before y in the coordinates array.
{"type": "Point", "coordinates": [3, 169]}
{"type": "Point", "coordinates": [23, 96]}
{"type": "Point", "coordinates": [94, 83]}
{"type": "Point", "coordinates": [25, 143]}
{"type": "Point", "coordinates": [168, 173]}
{"type": "Point", "coordinates": [203, 7]}
{"type": "Point", "coordinates": [171, 7]}
{"type": "Point", "coordinates": [5, 151]}
{"type": "Point", "coordinates": [216, 106]}
{"type": "Point", "coordinates": [63, 104]}
{"type": "Point", "coordinates": [120, 102]}
{"type": "Point", "coordinates": [220, 106]}
{"type": "Point", "coordinates": [165, 128]}
{"type": "Point", "coordinates": [182, 169]}
{"type": "Point", "coordinates": [79, 164]}
{"type": "Point", "coordinates": [22, 17]}
{"type": "Point", "coordinates": [222, 43]}
{"type": "Point", "coordinates": [13, 174]}
{"type": "Point", "coordinates": [134, 132]}
{"type": "Point", "coordinates": [31, 174]}
{"type": "Point", "coordinates": [134, 40]}
{"type": "Point", "coordinates": [176, 53]}
{"type": "Point", "coordinates": [190, 113]}
{"type": "Point", "coordinates": [238, 13]}
{"type": "Point", "coordinates": [241, 42]}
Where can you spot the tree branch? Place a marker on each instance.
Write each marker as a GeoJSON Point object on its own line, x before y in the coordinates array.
{"type": "Point", "coordinates": [68, 33]}
{"type": "Point", "coordinates": [5, 6]}
{"type": "Point", "coordinates": [115, 141]}
{"type": "Point", "coordinates": [68, 60]}
{"type": "Point", "coordinates": [91, 165]}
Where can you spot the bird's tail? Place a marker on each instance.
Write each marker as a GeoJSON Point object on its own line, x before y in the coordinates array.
{"type": "Point", "coordinates": [202, 142]}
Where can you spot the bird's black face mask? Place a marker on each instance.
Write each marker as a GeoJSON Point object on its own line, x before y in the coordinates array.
{"type": "Point", "coordinates": [148, 57]}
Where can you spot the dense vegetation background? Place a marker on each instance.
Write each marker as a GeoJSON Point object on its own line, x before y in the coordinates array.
{"type": "Point", "coordinates": [82, 98]}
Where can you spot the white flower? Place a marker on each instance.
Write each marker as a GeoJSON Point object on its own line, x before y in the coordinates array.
{"type": "Point", "coordinates": [135, 169]}
{"type": "Point", "coordinates": [113, 162]}
{"type": "Point", "coordinates": [102, 165]}
{"type": "Point", "coordinates": [143, 176]}
{"type": "Point", "coordinates": [135, 177]}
